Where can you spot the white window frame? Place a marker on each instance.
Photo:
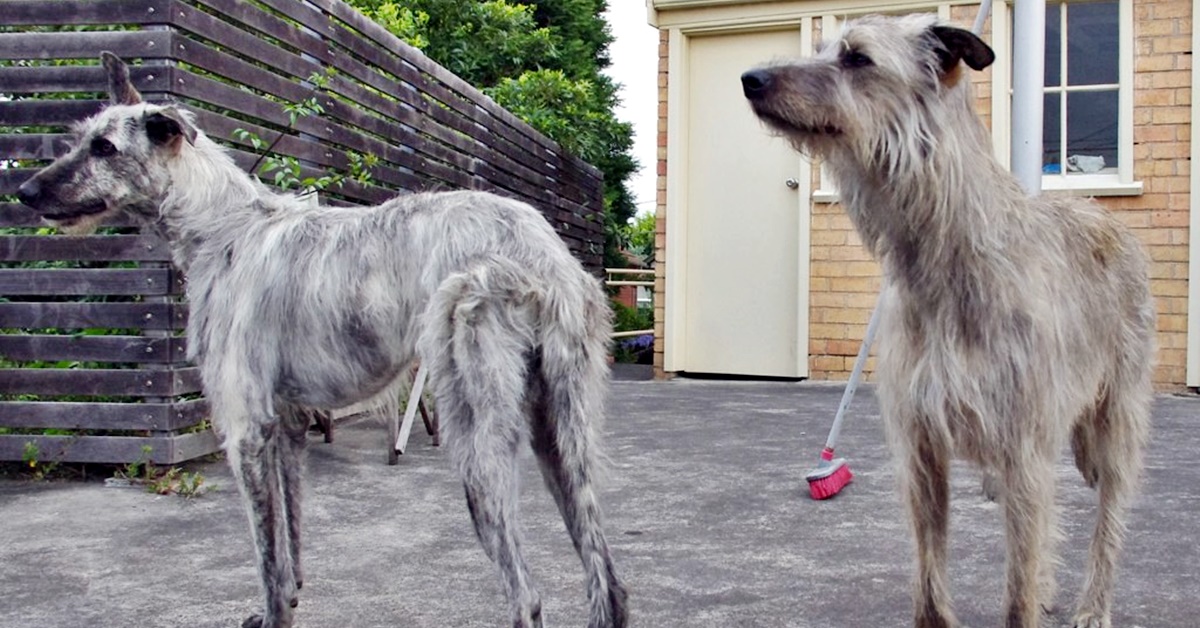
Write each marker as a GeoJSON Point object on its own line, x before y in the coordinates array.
{"type": "Point", "coordinates": [1119, 183]}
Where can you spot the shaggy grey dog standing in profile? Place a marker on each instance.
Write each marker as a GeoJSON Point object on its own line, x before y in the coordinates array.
{"type": "Point", "coordinates": [1011, 325]}
{"type": "Point", "coordinates": [295, 308]}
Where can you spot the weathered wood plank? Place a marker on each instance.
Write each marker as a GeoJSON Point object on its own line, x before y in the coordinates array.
{"type": "Point", "coordinates": [79, 78]}
{"type": "Point", "coordinates": [164, 450]}
{"type": "Point", "coordinates": [54, 315]}
{"type": "Point", "coordinates": [117, 349]}
{"type": "Point", "coordinates": [12, 178]}
{"type": "Point", "coordinates": [18, 215]}
{"type": "Point", "coordinates": [142, 247]}
{"type": "Point", "coordinates": [100, 382]}
{"type": "Point", "coordinates": [59, 12]}
{"type": "Point", "coordinates": [111, 281]}
{"type": "Point", "coordinates": [33, 145]}
{"type": "Point", "coordinates": [56, 113]}
{"type": "Point", "coordinates": [85, 45]}
{"type": "Point", "coordinates": [69, 415]}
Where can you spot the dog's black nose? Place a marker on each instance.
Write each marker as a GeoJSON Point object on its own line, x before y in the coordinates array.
{"type": "Point", "coordinates": [29, 192]}
{"type": "Point", "coordinates": [755, 83]}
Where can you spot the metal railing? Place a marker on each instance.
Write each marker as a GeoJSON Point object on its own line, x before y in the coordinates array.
{"type": "Point", "coordinates": [609, 281]}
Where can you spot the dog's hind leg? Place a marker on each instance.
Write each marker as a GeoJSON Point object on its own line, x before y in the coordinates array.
{"type": "Point", "coordinates": [926, 487]}
{"type": "Point", "coordinates": [291, 471]}
{"type": "Point", "coordinates": [1108, 449]}
{"type": "Point", "coordinates": [478, 366]}
{"type": "Point", "coordinates": [254, 455]}
{"type": "Point", "coordinates": [567, 400]}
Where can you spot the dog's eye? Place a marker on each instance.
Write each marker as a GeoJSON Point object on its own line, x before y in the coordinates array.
{"type": "Point", "coordinates": [853, 59]}
{"type": "Point", "coordinates": [102, 148]}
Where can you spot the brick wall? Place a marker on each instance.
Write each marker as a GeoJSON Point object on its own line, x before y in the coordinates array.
{"type": "Point", "coordinates": [845, 281]}
{"type": "Point", "coordinates": [1162, 130]}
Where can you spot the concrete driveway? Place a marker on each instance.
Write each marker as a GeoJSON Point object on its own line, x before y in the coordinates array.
{"type": "Point", "coordinates": [707, 512]}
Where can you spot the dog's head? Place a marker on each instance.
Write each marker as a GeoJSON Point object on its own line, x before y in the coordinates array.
{"type": "Point", "coordinates": [117, 161]}
{"type": "Point", "coordinates": [880, 82]}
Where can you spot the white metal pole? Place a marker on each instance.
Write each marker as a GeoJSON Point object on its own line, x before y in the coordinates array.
{"type": "Point", "coordinates": [1028, 81]}
{"type": "Point", "coordinates": [985, 9]}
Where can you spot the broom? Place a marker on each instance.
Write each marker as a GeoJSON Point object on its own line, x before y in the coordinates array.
{"type": "Point", "coordinates": [833, 474]}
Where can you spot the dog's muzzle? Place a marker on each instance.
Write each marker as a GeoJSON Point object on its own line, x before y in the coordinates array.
{"type": "Point", "coordinates": [32, 194]}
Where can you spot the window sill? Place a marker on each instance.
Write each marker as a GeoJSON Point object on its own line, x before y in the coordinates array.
{"type": "Point", "coordinates": [826, 196]}
{"type": "Point", "coordinates": [1090, 185]}
{"type": "Point", "coordinates": [1076, 185]}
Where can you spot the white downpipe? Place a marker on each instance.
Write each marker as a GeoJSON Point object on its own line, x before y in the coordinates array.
{"type": "Point", "coordinates": [1028, 80]}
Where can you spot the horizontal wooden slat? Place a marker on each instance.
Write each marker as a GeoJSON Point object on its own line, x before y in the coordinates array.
{"type": "Point", "coordinates": [40, 12]}
{"type": "Point", "coordinates": [100, 382]}
{"type": "Point", "coordinates": [70, 415]}
{"type": "Point", "coordinates": [17, 215]}
{"type": "Point", "coordinates": [77, 78]}
{"type": "Point", "coordinates": [121, 349]}
{"type": "Point", "coordinates": [85, 45]}
{"type": "Point", "coordinates": [59, 113]}
{"type": "Point", "coordinates": [54, 315]}
{"type": "Point", "coordinates": [101, 247]}
{"type": "Point", "coordinates": [164, 450]}
{"type": "Point", "coordinates": [112, 281]}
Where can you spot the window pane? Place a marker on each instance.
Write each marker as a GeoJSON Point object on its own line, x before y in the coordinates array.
{"type": "Point", "coordinates": [1093, 40]}
{"type": "Point", "coordinates": [1053, 44]}
{"type": "Point", "coordinates": [1052, 134]}
{"type": "Point", "coordinates": [1091, 130]}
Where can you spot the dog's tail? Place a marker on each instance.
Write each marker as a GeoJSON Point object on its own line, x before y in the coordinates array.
{"type": "Point", "coordinates": [575, 328]}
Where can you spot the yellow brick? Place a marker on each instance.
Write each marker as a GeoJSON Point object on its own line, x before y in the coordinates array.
{"type": "Point", "coordinates": [829, 331]}
{"type": "Point", "coordinates": [1172, 322]}
{"type": "Point", "coordinates": [1167, 288]}
{"type": "Point", "coordinates": [829, 363]}
{"type": "Point", "coordinates": [846, 315]}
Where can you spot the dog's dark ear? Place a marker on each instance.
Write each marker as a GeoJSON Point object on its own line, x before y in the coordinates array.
{"type": "Point", "coordinates": [120, 89]}
{"type": "Point", "coordinates": [962, 45]}
{"type": "Point", "coordinates": [167, 125]}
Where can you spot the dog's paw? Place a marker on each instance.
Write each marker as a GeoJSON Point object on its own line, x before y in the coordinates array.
{"type": "Point", "coordinates": [1085, 619]}
{"type": "Point", "coordinates": [253, 621]}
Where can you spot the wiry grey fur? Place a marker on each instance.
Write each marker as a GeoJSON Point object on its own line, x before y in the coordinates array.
{"type": "Point", "coordinates": [295, 308]}
{"type": "Point", "coordinates": [1011, 324]}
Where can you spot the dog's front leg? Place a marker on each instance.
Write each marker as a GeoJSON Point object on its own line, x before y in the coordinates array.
{"type": "Point", "coordinates": [1028, 525]}
{"type": "Point", "coordinates": [254, 455]}
{"type": "Point", "coordinates": [927, 493]}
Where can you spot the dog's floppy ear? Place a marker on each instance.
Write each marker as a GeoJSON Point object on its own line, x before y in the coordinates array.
{"type": "Point", "coordinates": [962, 45]}
{"type": "Point", "coordinates": [167, 125]}
{"type": "Point", "coordinates": [120, 89]}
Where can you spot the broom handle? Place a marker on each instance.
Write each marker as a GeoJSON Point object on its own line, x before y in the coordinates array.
{"type": "Point", "coordinates": [985, 8]}
{"type": "Point", "coordinates": [855, 375]}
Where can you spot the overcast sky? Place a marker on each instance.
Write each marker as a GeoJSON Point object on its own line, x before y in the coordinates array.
{"type": "Point", "coordinates": [634, 56]}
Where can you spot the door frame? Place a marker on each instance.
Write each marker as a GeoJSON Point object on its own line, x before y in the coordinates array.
{"type": "Point", "coordinates": [677, 181]}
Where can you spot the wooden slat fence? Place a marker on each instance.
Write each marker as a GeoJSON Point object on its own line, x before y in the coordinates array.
{"type": "Point", "coordinates": [109, 306]}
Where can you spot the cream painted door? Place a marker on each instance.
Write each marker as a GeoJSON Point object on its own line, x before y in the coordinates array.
{"type": "Point", "coordinates": [746, 294]}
